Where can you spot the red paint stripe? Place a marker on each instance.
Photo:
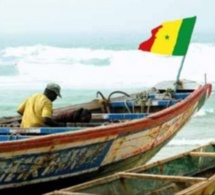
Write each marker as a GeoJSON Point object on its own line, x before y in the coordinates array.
{"type": "Point", "coordinates": [147, 45]}
{"type": "Point", "coordinates": [92, 133]}
{"type": "Point", "coordinates": [209, 91]}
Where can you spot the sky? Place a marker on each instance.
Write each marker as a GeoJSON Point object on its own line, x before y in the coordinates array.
{"type": "Point", "coordinates": [88, 16]}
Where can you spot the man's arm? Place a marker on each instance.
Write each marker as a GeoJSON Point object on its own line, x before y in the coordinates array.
{"type": "Point", "coordinates": [47, 116]}
{"type": "Point", "coordinates": [52, 123]}
{"type": "Point", "coordinates": [19, 112]}
{"type": "Point", "coordinates": [21, 108]}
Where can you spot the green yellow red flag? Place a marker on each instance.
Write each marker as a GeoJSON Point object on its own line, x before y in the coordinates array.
{"type": "Point", "coordinates": [170, 38]}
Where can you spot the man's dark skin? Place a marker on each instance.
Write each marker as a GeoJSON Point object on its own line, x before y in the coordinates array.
{"type": "Point", "coordinates": [49, 121]}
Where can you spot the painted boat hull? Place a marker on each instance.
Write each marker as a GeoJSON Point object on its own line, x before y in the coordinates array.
{"type": "Point", "coordinates": [95, 151]}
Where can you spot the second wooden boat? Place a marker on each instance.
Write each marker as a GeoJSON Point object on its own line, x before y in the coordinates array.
{"type": "Point", "coordinates": [188, 173]}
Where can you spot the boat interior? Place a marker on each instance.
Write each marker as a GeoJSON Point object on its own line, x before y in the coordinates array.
{"type": "Point", "coordinates": [103, 111]}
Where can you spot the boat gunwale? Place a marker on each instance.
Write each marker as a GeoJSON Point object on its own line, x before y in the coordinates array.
{"type": "Point", "coordinates": [113, 129]}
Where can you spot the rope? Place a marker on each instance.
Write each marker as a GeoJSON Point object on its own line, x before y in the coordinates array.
{"type": "Point", "coordinates": [127, 107]}
{"type": "Point", "coordinates": [104, 102]}
{"type": "Point", "coordinates": [169, 93]}
{"type": "Point", "coordinates": [114, 92]}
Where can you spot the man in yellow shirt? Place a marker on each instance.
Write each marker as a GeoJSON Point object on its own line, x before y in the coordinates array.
{"type": "Point", "coordinates": [37, 110]}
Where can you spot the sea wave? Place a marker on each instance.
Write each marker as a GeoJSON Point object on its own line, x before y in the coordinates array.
{"type": "Point", "coordinates": [205, 112]}
{"type": "Point", "coordinates": [85, 68]}
{"type": "Point", "coordinates": [190, 142]}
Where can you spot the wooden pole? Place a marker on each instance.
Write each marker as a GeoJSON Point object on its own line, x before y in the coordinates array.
{"type": "Point", "coordinates": [62, 192]}
{"type": "Point", "coordinates": [205, 78]}
{"type": "Point", "coordinates": [160, 177]}
{"type": "Point", "coordinates": [203, 154]}
{"type": "Point", "coordinates": [179, 72]}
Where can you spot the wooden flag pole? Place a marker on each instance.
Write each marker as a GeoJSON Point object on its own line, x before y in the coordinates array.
{"type": "Point", "coordinates": [179, 73]}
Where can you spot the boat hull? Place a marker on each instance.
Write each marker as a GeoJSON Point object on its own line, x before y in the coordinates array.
{"type": "Point", "coordinates": [95, 151]}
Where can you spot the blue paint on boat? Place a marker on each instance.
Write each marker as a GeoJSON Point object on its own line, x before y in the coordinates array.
{"type": "Point", "coordinates": [51, 164]}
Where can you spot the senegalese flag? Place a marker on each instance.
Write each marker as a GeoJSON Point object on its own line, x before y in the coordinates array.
{"type": "Point", "coordinates": [170, 38]}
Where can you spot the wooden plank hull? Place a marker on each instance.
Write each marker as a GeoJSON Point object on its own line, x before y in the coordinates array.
{"type": "Point", "coordinates": [189, 173]}
{"type": "Point", "coordinates": [94, 151]}
{"type": "Point", "coordinates": [204, 188]}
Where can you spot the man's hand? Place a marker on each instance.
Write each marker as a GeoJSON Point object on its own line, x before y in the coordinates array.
{"type": "Point", "coordinates": [52, 123]}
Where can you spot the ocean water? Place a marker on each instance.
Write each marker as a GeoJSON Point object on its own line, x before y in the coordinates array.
{"type": "Point", "coordinates": [86, 63]}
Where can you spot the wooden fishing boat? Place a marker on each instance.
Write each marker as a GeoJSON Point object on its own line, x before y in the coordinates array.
{"type": "Point", "coordinates": [125, 132]}
{"type": "Point", "coordinates": [188, 173]}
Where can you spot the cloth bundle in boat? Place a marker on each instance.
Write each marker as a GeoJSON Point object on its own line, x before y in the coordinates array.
{"type": "Point", "coordinates": [80, 115]}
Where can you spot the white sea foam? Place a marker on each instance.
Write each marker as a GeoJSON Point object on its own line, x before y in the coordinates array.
{"type": "Point", "coordinates": [204, 111]}
{"type": "Point", "coordinates": [79, 68]}
{"type": "Point", "coordinates": [190, 142]}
